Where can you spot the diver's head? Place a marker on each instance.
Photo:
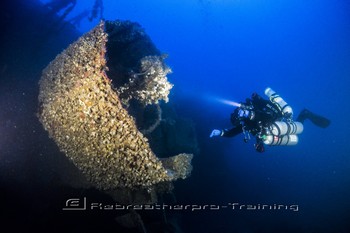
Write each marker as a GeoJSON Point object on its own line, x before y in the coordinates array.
{"type": "Point", "coordinates": [246, 111]}
{"type": "Point", "coordinates": [242, 113]}
{"type": "Point", "coordinates": [246, 114]}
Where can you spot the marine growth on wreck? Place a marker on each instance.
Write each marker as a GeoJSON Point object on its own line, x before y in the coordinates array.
{"type": "Point", "coordinates": [85, 113]}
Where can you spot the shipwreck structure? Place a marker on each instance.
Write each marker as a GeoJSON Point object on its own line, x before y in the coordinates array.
{"type": "Point", "coordinates": [92, 117]}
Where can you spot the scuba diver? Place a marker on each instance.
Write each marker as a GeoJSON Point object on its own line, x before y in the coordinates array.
{"type": "Point", "coordinates": [97, 9]}
{"type": "Point", "coordinates": [77, 19]}
{"type": "Point", "coordinates": [269, 121]}
{"type": "Point", "coordinates": [56, 6]}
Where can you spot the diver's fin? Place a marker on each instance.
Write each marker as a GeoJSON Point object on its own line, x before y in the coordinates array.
{"type": "Point", "coordinates": [318, 120]}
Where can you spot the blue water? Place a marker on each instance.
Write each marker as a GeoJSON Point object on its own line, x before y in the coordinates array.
{"type": "Point", "coordinates": [229, 49]}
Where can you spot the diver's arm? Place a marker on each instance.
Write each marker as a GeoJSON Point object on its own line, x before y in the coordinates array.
{"type": "Point", "coordinates": [226, 132]}
{"type": "Point", "coordinates": [231, 132]}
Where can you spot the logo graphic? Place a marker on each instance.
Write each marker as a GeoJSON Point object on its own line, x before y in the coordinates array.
{"type": "Point", "coordinates": [75, 204]}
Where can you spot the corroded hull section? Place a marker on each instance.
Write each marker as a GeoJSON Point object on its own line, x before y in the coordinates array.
{"type": "Point", "coordinates": [85, 117]}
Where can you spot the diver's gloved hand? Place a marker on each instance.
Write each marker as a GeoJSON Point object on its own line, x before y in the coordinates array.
{"type": "Point", "coordinates": [215, 133]}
